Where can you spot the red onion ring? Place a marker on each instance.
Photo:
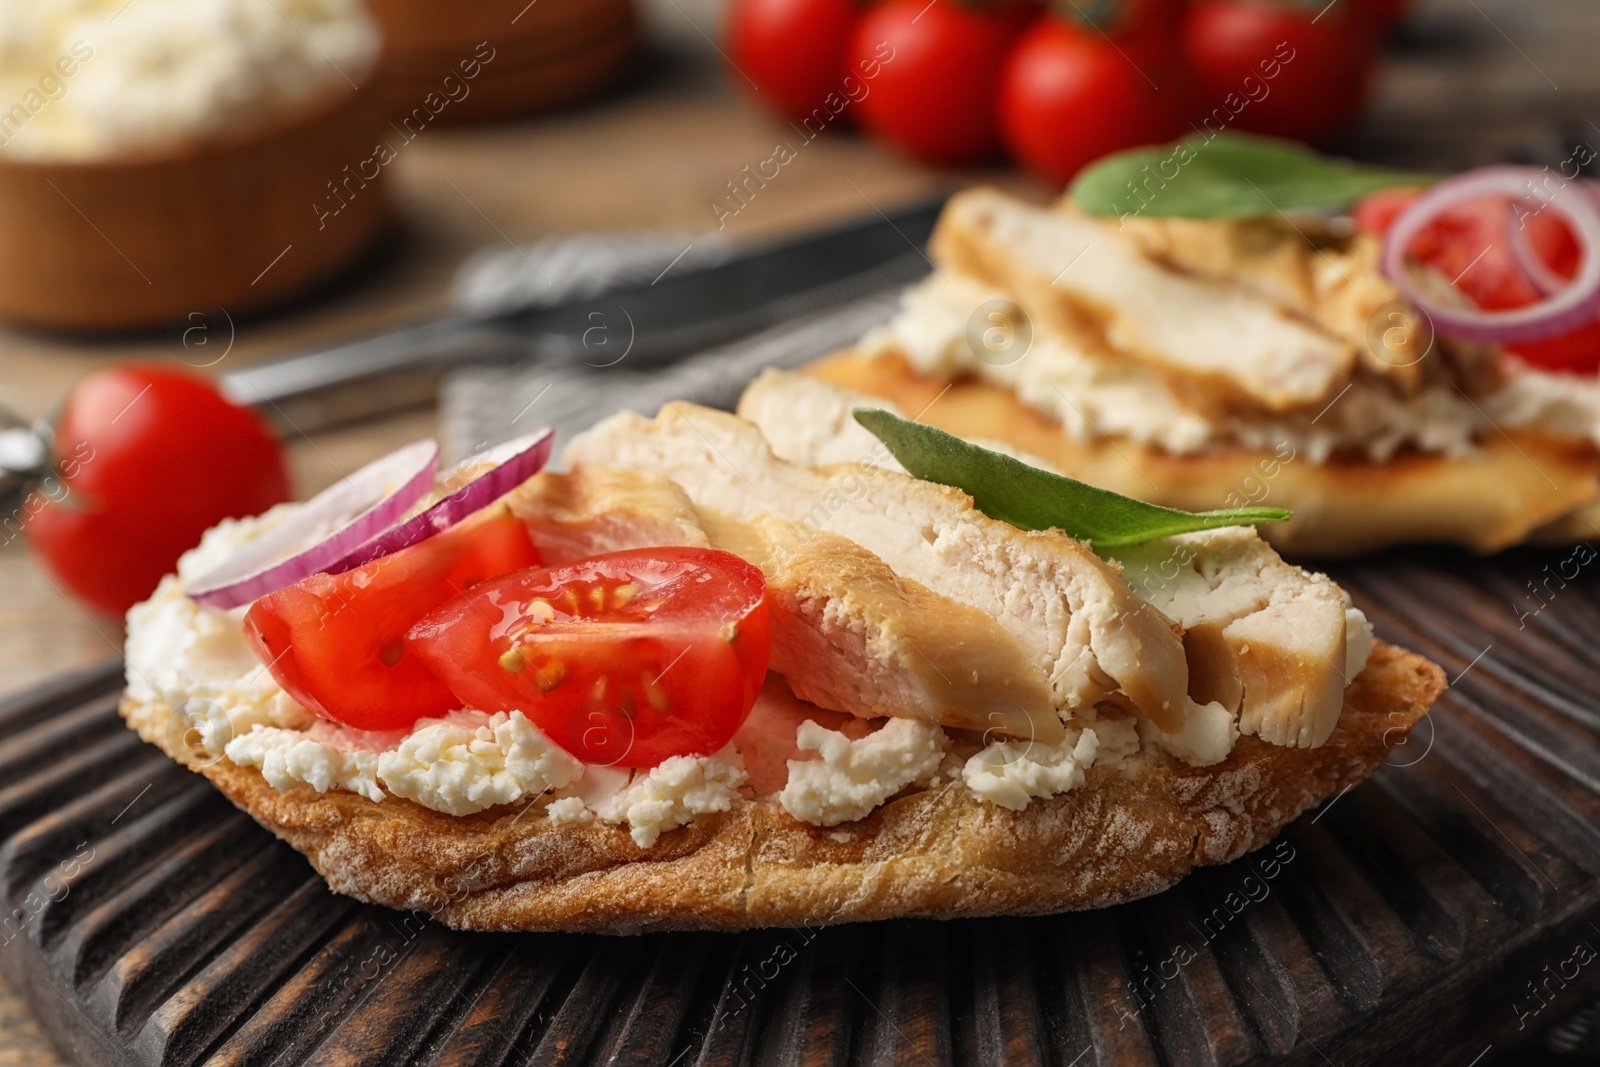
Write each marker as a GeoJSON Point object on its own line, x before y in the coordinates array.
{"type": "Point", "coordinates": [1538, 273]}
{"type": "Point", "coordinates": [1576, 303]}
{"type": "Point", "coordinates": [512, 463]}
{"type": "Point", "coordinates": [324, 529]}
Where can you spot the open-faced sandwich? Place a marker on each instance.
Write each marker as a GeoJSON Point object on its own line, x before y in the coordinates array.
{"type": "Point", "coordinates": [729, 671]}
{"type": "Point", "coordinates": [1198, 326]}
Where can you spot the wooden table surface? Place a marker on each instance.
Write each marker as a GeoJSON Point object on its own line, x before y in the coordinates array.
{"type": "Point", "coordinates": [1469, 81]}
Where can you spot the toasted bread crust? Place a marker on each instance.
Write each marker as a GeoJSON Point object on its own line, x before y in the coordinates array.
{"type": "Point", "coordinates": [938, 853]}
{"type": "Point", "coordinates": [1521, 485]}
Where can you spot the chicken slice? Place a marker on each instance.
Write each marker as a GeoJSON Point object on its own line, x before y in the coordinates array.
{"type": "Point", "coordinates": [1263, 637]}
{"type": "Point", "coordinates": [1306, 268]}
{"type": "Point", "coordinates": [1080, 277]}
{"type": "Point", "coordinates": [847, 632]}
{"type": "Point", "coordinates": [1074, 618]}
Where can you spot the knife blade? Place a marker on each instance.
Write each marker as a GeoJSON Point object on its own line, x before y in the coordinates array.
{"type": "Point", "coordinates": [645, 325]}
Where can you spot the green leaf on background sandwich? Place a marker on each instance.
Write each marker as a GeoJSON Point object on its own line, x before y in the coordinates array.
{"type": "Point", "coordinates": [1229, 176]}
{"type": "Point", "coordinates": [1010, 490]}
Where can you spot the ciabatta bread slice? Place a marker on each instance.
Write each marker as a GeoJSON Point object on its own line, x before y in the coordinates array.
{"type": "Point", "coordinates": [935, 852]}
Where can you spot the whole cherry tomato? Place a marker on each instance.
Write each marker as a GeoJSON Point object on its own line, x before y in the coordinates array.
{"type": "Point", "coordinates": [147, 460]}
{"type": "Point", "coordinates": [1069, 95]}
{"type": "Point", "coordinates": [1278, 67]}
{"type": "Point", "coordinates": [793, 50]}
{"type": "Point", "coordinates": [933, 69]}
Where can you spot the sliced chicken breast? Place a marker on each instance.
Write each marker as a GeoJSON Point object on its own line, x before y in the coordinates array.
{"type": "Point", "coordinates": [1081, 277]}
{"type": "Point", "coordinates": [1264, 638]}
{"type": "Point", "coordinates": [847, 632]}
{"type": "Point", "coordinates": [1075, 619]}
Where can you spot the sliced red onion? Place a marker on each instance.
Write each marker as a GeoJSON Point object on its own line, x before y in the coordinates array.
{"type": "Point", "coordinates": [510, 464]}
{"type": "Point", "coordinates": [1538, 273]}
{"type": "Point", "coordinates": [1574, 304]}
{"type": "Point", "coordinates": [323, 530]}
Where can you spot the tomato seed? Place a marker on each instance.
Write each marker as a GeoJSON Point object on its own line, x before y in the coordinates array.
{"type": "Point", "coordinates": [550, 675]}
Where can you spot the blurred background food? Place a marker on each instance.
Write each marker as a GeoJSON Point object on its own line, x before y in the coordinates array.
{"type": "Point", "coordinates": [523, 57]}
{"type": "Point", "coordinates": [192, 137]}
{"type": "Point", "coordinates": [1059, 83]}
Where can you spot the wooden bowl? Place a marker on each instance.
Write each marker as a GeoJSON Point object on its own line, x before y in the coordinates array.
{"type": "Point", "coordinates": [237, 223]}
{"type": "Point", "coordinates": [543, 54]}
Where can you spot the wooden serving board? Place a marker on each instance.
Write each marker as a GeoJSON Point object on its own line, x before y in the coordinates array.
{"type": "Point", "coordinates": [1442, 911]}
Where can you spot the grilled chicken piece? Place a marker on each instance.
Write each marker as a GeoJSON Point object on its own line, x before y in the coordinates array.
{"type": "Point", "coordinates": [1083, 279]}
{"type": "Point", "coordinates": [1075, 619]}
{"type": "Point", "coordinates": [1332, 278]}
{"type": "Point", "coordinates": [847, 633]}
{"type": "Point", "coordinates": [1264, 638]}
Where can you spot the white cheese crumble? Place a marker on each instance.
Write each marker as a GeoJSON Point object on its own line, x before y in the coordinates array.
{"type": "Point", "coordinates": [568, 811]}
{"type": "Point", "coordinates": [1011, 773]}
{"type": "Point", "coordinates": [854, 777]}
{"type": "Point", "coordinates": [674, 792]}
{"type": "Point", "coordinates": [1206, 737]}
{"type": "Point", "coordinates": [1567, 404]}
{"type": "Point", "coordinates": [91, 79]}
{"type": "Point", "coordinates": [458, 769]}
{"type": "Point", "coordinates": [288, 757]}
{"type": "Point", "coordinates": [196, 660]}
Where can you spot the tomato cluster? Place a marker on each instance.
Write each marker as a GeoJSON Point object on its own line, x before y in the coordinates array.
{"type": "Point", "coordinates": [1062, 84]}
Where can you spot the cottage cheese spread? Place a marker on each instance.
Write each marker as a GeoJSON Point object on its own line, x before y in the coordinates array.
{"type": "Point", "coordinates": [853, 777]}
{"type": "Point", "coordinates": [1091, 396]}
{"type": "Point", "coordinates": [287, 758]}
{"type": "Point", "coordinates": [90, 79]}
{"type": "Point", "coordinates": [196, 661]}
{"type": "Point", "coordinates": [1566, 404]}
{"type": "Point", "coordinates": [1011, 773]}
{"type": "Point", "coordinates": [673, 793]}
{"type": "Point", "coordinates": [460, 769]}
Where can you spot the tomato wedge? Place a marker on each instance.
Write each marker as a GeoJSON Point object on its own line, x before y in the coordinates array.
{"type": "Point", "coordinates": [334, 642]}
{"type": "Point", "coordinates": [624, 659]}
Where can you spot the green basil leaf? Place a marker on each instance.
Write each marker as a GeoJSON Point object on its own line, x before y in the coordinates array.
{"type": "Point", "coordinates": [1028, 498]}
{"type": "Point", "coordinates": [1229, 176]}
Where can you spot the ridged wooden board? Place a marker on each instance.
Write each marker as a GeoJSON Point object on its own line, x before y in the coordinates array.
{"type": "Point", "coordinates": [1403, 922]}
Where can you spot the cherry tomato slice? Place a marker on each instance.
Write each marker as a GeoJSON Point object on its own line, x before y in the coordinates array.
{"type": "Point", "coordinates": [624, 659]}
{"type": "Point", "coordinates": [334, 641]}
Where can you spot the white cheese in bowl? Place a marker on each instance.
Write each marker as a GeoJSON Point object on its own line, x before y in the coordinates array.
{"type": "Point", "coordinates": [95, 79]}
